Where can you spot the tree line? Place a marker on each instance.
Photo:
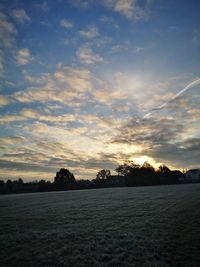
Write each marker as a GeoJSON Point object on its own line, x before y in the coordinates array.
{"type": "Point", "coordinates": [127, 174]}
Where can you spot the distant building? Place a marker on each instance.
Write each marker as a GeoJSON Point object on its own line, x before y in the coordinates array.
{"type": "Point", "coordinates": [193, 175]}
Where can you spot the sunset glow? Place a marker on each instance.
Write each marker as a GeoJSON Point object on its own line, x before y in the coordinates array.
{"type": "Point", "coordinates": [78, 79]}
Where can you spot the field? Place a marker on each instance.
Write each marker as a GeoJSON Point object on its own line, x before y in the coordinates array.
{"type": "Point", "coordinates": [141, 226]}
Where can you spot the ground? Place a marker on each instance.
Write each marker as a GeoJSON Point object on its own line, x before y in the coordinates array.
{"type": "Point", "coordinates": [138, 226]}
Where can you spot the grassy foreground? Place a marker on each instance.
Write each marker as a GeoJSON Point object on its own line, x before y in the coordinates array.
{"type": "Point", "coordinates": [141, 226]}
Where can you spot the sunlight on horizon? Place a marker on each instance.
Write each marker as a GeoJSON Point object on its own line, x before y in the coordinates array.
{"type": "Point", "coordinates": [95, 84]}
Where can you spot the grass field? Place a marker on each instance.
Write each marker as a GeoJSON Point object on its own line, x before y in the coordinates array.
{"type": "Point", "coordinates": [141, 226]}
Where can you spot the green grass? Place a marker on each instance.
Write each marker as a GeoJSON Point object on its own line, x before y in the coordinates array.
{"type": "Point", "coordinates": [141, 226]}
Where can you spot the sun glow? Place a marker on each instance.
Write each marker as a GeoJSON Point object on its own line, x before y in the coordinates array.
{"type": "Point", "coordinates": [142, 159]}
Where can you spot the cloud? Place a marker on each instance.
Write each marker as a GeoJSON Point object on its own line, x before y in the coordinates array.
{"type": "Point", "coordinates": [23, 57]}
{"type": "Point", "coordinates": [175, 97]}
{"type": "Point", "coordinates": [90, 33]}
{"type": "Point", "coordinates": [5, 119]}
{"type": "Point", "coordinates": [36, 115]}
{"type": "Point", "coordinates": [48, 155]}
{"type": "Point", "coordinates": [2, 62]}
{"type": "Point", "coordinates": [7, 37]}
{"type": "Point", "coordinates": [4, 100]}
{"type": "Point", "coordinates": [119, 89]}
{"type": "Point", "coordinates": [107, 96]}
{"type": "Point", "coordinates": [138, 49]}
{"type": "Point", "coordinates": [7, 31]}
{"type": "Point", "coordinates": [66, 24]}
{"type": "Point", "coordinates": [67, 85]}
{"type": "Point", "coordinates": [150, 132]}
{"type": "Point", "coordinates": [165, 139]}
{"type": "Point", "coordinates": [83, 122]}
{"type": "Point", "coordinates": [12, 140]}
{"type": "Point", "coordinates": [77, 79]}
{"type": "Point", "coordinates": [179, 154]}
{"type": "Point", "coordinates": [129, 8]}
{"type": "Point", "coordinates": [194, 113]}
{"type": "Point", "coordinates": [29, 113]}
{"type": "Point", "coordinates": [20, 15]}
{"type": "Point", "coordinates": [126, 7]}
{"type": "Point", "coordinates": [8, 118]}
{"type": "Point", "coordinates": [29, 168]}
{"type": "Point", "coordinates": [1, 65]}
{"type": "Point", "coordinates": [61, 146]}
{"type": "Point", "coordinates": [87, 56]}
{"type": "Point", "coordinates": [74, 87]}
{"type": "Point", "coordinates": [86, 127]}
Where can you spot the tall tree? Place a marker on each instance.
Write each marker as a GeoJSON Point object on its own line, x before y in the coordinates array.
{"type": "Point", "coordinates": [103, 174]}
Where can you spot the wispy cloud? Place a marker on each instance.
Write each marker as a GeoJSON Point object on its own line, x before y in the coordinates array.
{"type": "Point", "coordinates": [1, 63]}
{"type": "Point", "coordinates": [20, 15]}
{"type": "Point", "coordinates": [5, 119]}
{"type": "Point", "coordinates": [138, 49]}
{"type": "Point", "coordinates": [90, 33]}
{"type": "Point", "coordinates": [67, 85]}
{"type": "Point", "coordinates": [7, 31]}
{"type": "Point", "coordinates": [12, 140]}
{"type": "Point", "coordinates": [87, 56]}
{"type": "Point", "coordinates": [23, 57]}
{"type": "Point", "coordinates": [190, 85]}
{"type": "Point", "coordinates": [66, 23]}
{"type": "Point", "coordinates": [129, 8]}
{"type": "Point", "coordinates": [4, 100]}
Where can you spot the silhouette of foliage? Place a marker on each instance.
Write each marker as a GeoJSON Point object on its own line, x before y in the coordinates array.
{"type": "Point", "coordinates": [64, 180]}
{"type": "Point", "coordinates": [128, 174]}
{"type": "Point", "coordinates": [103, 174]}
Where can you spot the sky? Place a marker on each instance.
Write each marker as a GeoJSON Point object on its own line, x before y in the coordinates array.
{"type": "Point", "coordinates": [88, 84]}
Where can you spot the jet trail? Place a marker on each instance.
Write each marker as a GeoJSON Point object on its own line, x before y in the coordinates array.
{"type": "Point", "coordinates": [190, 85]}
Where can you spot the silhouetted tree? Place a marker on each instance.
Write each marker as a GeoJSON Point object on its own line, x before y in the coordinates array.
{"type": "Point", "coordinates": [163, 169]}
{"type": "Point", "coordinates": [146, 165]}
{"type": "Point", "coordinates": [126, 168]}
{"type": "Point", "coordinates": [129, 174]}
{"type": "Point", "coordinates": [9, 185]}
{"type": "Point", "coordinates": [2, 187]}
{"type": "Point", "coordinates": [44, 185]}
{"type": "Point", "coordinates": [64, 179]}
{"type": "Point", "coordinates": [103, 174]}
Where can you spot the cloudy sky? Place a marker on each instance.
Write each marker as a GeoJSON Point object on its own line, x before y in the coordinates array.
{"type": "Point", "coordinates": [89, 84]}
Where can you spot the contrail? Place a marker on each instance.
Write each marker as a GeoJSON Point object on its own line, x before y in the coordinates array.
{"type": "Point", "coordinates": [190, 85]}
